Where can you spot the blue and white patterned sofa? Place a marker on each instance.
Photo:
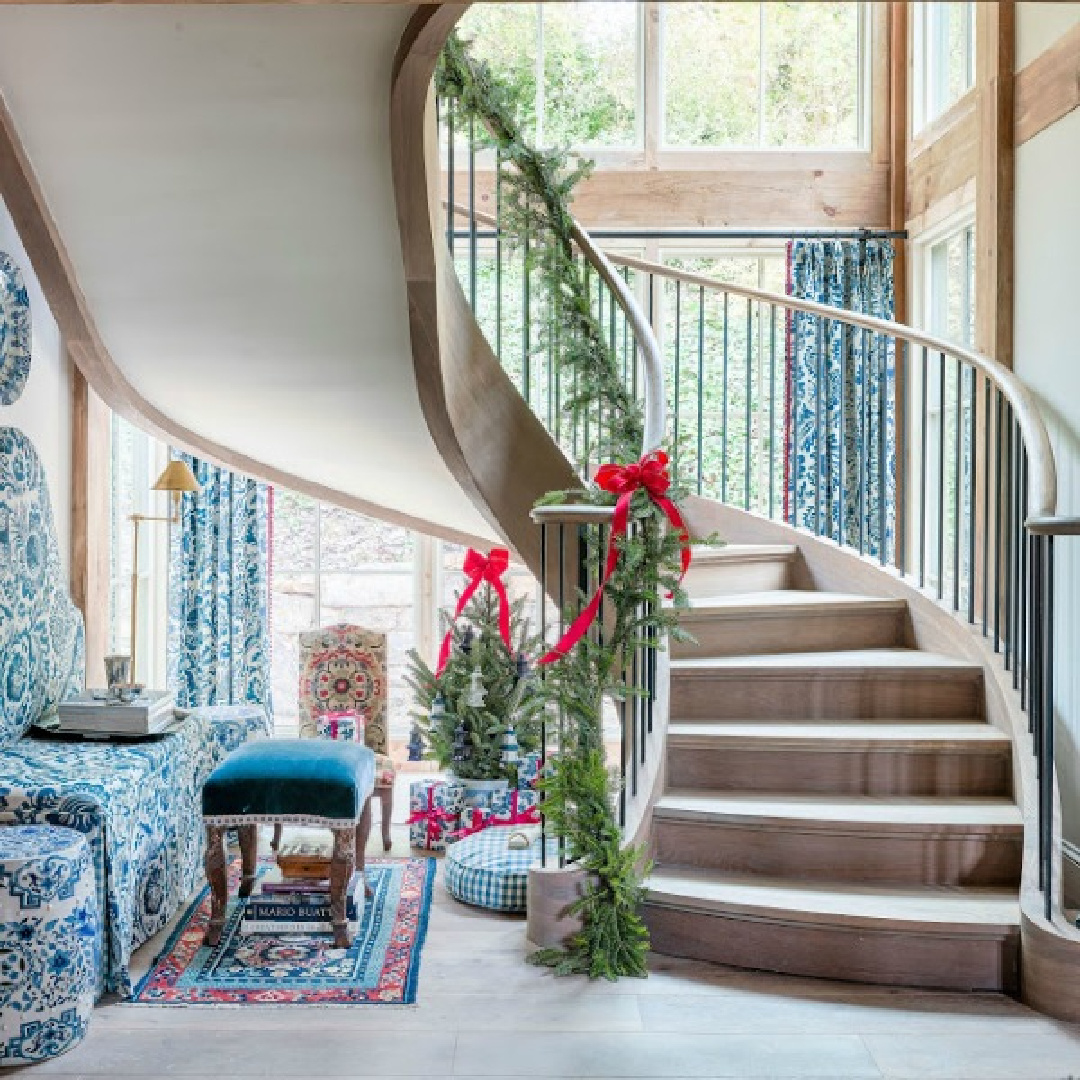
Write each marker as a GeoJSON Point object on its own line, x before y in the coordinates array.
{"type": "Point", "coordinates": [139, 802]}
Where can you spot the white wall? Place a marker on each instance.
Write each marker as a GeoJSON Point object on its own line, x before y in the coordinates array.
{"type": "Point", "coordinates": [1047, 356]}
{"type": "Point", "coordinates": [44, 411]}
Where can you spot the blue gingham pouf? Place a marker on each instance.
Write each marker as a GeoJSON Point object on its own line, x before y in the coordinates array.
{"type": "Point", "coordinates": [482, 870]}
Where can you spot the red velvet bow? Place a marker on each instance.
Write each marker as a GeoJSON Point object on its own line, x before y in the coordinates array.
{"type": "Point", "coordinates": [651, 474]}
{"type": "Point", "coordinates": [434, 816]}
{"type": "Point", "coordinates": [478, 568]}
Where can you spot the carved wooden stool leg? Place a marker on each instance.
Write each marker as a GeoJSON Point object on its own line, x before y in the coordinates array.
{"type": "Point", "coordinates": [249, 851]}
{"type": "Point", "coordinates": [386, 796]}
{"type": "Point", "coordinates": [217, 873]}
{"type": "Point", "coordinates": [276, 842]}
{"type": "Point", "coordinates": [341, 870]}
{"type": "Point", "coordinates": [363, 832]}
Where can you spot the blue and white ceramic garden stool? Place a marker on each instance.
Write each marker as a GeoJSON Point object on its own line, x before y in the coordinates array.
{"type": "Point", "coordinates": [50, 941]}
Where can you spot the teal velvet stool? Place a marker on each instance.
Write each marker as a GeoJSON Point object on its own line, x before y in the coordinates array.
{"type": "Point", "coordinates": [288, 781]}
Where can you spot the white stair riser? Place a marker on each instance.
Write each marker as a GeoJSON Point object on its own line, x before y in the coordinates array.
{"type": "Point", "coordinates": [726, 577]}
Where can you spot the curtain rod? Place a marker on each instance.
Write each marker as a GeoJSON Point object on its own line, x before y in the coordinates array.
{"type": "Point", "coordinates": [723, 234]}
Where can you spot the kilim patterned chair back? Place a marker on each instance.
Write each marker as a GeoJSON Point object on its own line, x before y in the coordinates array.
{"type": "Point", "coordinates": [343, 668]}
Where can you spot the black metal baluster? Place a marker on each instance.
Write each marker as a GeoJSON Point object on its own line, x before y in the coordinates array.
{"type": "Point", "coordinates": [842, 450]}
{"type": "Point", "coordinates": [498, 255]}
{"type": "Point", "coordinates": [973, 487]}
{"type": "Point", "coordinates": [987, 423]}
{"type": "Point", "coordinates": [526, 320]}
{"type": "Point", "coordinates": [472, 212]}
{"type": "Point", "coordinates": [678, 380]}
{"type": "Point", "coordinates": [701, 390]}
{"type": "Point", "coordinates": [1047, 789]}
{"type": "Point", "coordinates": [924, 425]}
{"type": "Point", "coordinates": [724, 408]}
{"type": "Point", "coordinates": [957, 486]}
{"type": "Point", "coordinates": [819, 426]}
{"type": "Point", "coordinates": [864, 441]}
{"type": "Point", "coordinates": [451, 214]}
{"type": "Point", "coordinates": [749, 400]}
{"type": "Point", "coordinates": [1022, 637]}
{"type": "Point", "coordinates": [1008, 528]}
{"type": "Point", "coordinates": [772, 410]}
{"type": "Point", "coordinates": [882, 396]}
{"type": "Point", "coordinates": [543, 604]}
{"type": "Point", "coordinates": [999, 495]}
{"type": "Point", "coordinates": [941, 480]}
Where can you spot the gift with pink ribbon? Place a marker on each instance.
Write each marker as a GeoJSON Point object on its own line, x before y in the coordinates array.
{"type": "Point", "coordinates": [473, 819]}
{"type": "Point", "coordinates": [515, 807]}
{"type": "Point", "coordinates": [435, 808]}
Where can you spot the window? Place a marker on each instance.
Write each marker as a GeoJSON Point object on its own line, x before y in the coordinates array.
{"type": "Point", "coordinates": [723, 75]}
{"type": "Point", "coordinates": [575, 65]}
{"type": "Point", "coordinates": [329, 566]}
{"type": "Point", "coordinates": [763, 75]}
{"type": "Point", "coordinates": [944, 54]}
{"type": "Point", "coordinates": [136, 460]}
{"type": "Point", "coordinates": [949, 282]}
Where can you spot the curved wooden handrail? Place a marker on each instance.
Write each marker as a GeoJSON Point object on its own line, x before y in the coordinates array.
{"type": "Point", "coordinates": [1042, 470]}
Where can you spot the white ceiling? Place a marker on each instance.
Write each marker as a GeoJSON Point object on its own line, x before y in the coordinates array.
{"type": "Point", "coordinates": [220, 176]}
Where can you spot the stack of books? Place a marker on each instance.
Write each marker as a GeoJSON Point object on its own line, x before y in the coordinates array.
{"type": "Point", "coordinates": [95, 717]}
{"type": "Point", "coordinates": [299, 906]}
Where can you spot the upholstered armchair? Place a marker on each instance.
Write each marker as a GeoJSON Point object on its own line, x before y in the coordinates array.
{"type": "Point", "coordinates": [343, 669]}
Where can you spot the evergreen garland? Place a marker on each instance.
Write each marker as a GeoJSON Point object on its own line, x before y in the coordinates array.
{"type": "Point", "coordinates": [537, 189]}
{"type": "Point", "coordinates": [581, 792]}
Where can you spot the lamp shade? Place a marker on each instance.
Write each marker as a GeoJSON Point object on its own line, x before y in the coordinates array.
{"type": "Point", "coordinates": [177, 477]}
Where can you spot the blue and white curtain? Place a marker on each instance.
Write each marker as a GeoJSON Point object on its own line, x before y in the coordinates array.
{"type": "Point", "coordinates": [841, 423]}
{"type": "Point", "coordinates": [219, 627]}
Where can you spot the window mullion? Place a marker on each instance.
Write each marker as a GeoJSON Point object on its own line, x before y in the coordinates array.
{"type": "Point", "coordinates": [316, 615]}
{"type": "Point", "coordinates": [541, 101]}
{"type": "Point", "coordinates": [761, 76]}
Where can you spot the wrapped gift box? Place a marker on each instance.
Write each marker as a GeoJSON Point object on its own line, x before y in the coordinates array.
{"type": "Point", "coordinates": [473, 819]}
{"type": "Point", "coordinates": [515, 808]}
{"type": "Point", "coordinates": [529, 770]}
{"type": "Point", "coordinates": [342, 726]}
{"type": "Point", "coordinates": [434, 812]}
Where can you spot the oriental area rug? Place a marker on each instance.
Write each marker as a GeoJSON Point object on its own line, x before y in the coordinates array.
{"type": "Point", "coordinates": [381, 967]}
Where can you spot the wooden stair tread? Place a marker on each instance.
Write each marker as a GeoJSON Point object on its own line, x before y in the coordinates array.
{"type": "Point", "coordinates": [839, 736]}
{"type": "Point", "coordinates": [786, 602]}
{"type": "Point", "coordinates": [866, 812]}
{"type": "Point", "coordinates": [976, 911]}
{"type": "Point", "coordinates": [844, 660]}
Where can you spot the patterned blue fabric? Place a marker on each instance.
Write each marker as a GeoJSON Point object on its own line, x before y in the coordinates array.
{"type": "Point", "coordinates": [219, 644]}
{"type": "Point", "coordinates": [41, 631]}
{"type": "Point", "coordinates": [836, 437]}
{"type": "Point", "coordinates": [139, 805]}
{"type": "Point", "coordinates": [50, 938]}
{"type": "Point", "coordinates": [484, 871]}
{"type": "Point", "coordinates": [14, 331]}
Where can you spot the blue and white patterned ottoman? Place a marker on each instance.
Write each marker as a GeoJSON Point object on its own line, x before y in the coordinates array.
{"type": "Point", "coordinates": [49, 941]}
{"type": "Point", "coordinates": [484, 871]}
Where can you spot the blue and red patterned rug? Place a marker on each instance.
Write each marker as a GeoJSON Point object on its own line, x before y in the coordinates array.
{"type": "Point", "coordinates": [381, 967]}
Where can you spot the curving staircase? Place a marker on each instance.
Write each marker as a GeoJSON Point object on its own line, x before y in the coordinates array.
{"type": "Point", "coordinates": [836, 803]}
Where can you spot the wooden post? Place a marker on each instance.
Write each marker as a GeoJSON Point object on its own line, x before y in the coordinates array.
{"type": "Point", "coordinates": [90, 521]}
{"type": "Point", "coordinates": [995, 41]}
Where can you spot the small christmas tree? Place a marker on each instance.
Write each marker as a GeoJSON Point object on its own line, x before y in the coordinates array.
{"type": "Point", "coordinates": [482, 688]}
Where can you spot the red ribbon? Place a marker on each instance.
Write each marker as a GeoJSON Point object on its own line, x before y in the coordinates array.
{"type": "Point", "coordinates": [521, 817]}
{"type": "Point", "coordinates": [435, 816]}
{"type": "Point", "coordinates": [651, 474]}
{"type": "Point", "coordinates": [480, 568]}
{"type": "Point", "coordinates": [478, 821]}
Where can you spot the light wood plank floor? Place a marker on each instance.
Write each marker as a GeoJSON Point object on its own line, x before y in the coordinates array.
{"type": "Point", "coordinates": [483, 1012]}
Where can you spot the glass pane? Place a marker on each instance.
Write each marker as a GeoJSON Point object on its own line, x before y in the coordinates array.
{"type": "Point", "coordinates": [505, 35]}
{"type": "Point", "coordinates": [949, 50]}
{"type": "Point", "coordinates": [294, 533]}
{"type": "Point", "coordinates": [711, 77]}
{"type": "Point", "coordinates": [293, 605]}
{"type": "Point", "coordinates": [351, 541]}
{"type": "Point", "coordinates": [379, 600]}
{"type": "Point", "coordinates": [590, 74]}
{"type": "Point", "coordinates": [811, 75]}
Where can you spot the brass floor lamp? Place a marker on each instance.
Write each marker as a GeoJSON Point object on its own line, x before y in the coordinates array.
{"type": "Point", "coordinates": [176, 479]}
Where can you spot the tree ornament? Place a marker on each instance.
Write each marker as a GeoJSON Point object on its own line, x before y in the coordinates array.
{"type": "Point", "coordinates": [462, 749]}
{"type": "Point", "coordinates": [477, 695]}
{"type": "Point", "coordinates": [416, 744]}
{"type": "Point", "coordinates": [509, 751]}
{"type": "Point", "coordinates": [467, 641]}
